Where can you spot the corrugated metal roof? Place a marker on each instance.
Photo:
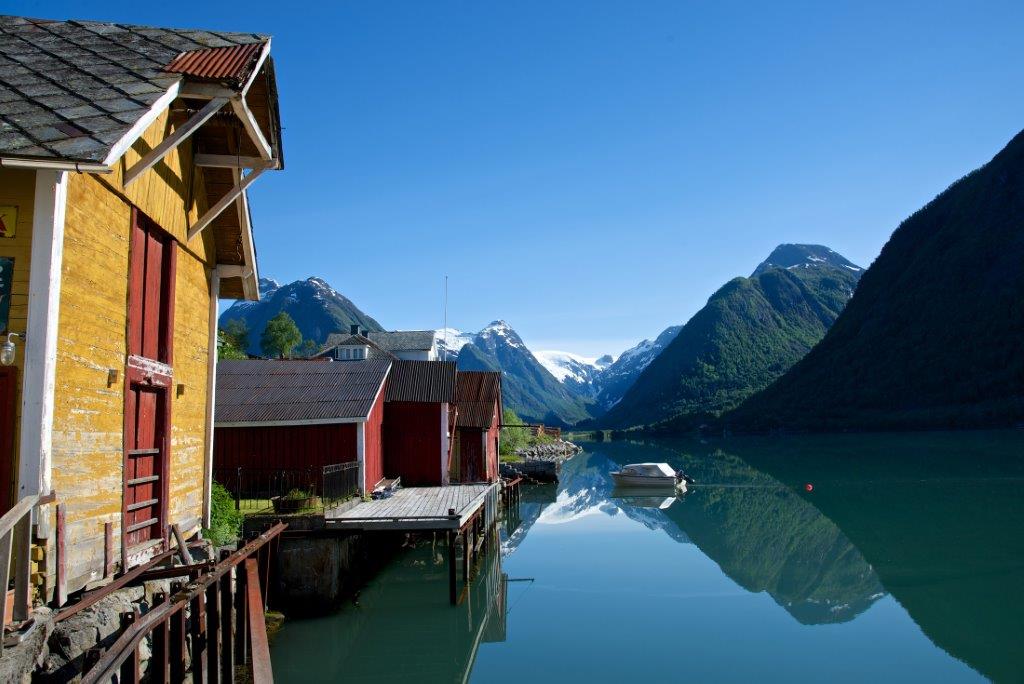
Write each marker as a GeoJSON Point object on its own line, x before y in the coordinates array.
{"type": "Point", "coordinates": [475, 397]}
{"type": "Point", "coordinates": [263, 391]}
{"type": "Point", "coordinates": [231, 63]}
{"type": "Point", "coordinates": [403, 340]}
{"type": "Point", "coordinates": [423, 381]}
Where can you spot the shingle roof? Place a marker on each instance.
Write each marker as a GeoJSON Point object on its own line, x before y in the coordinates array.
{"type": "Point", "coordinates": [476, 394]}
{"type": "Point", "coordinates": [337, 340]}
{"type": "Point", "coordinates": [403, 340]}
{"type": "Point", "coordinates": [282, 391]}
{"type": "Point", "coordinates": [70, 90]}
{"type": "Point", "coordinates": [422, 381]}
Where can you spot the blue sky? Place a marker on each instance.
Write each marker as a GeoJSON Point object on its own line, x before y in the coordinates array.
{"type": "Point", "coordinates": [593, 171]}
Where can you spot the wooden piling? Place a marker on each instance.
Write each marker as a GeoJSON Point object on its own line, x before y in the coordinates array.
{"type": "Point", "coordinates": [452, 595]}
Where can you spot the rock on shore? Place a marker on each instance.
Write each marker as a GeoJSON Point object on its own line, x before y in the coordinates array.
{"type": "Point", "coordinates": [560, 450]}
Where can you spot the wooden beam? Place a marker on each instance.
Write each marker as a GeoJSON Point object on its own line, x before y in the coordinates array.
{"type": "Point", "coordinates": [183, 551]}
{"type": "Point", "coordinates": [62, 557]}
{"type": "Point", "coordinates": [205, 91]}
{"type": "Point", "coordinates": [250, 281]}
{"type": "Point", "coordinates": [232, 271]}
{"type": "Point", "coordinates": [252, 127]}
{"type": "Point", "coordinates": [452, 582]}
{"type": "Point", "coordinates": [256, 68]}
{"type": "Point", "coordinates": [230, 161]}
{"type": "Point", "coordinates": [217, 209]}
{"type": "Point", "coordinates": [40, 348]}
{"type": "Point", "coordinates": [155, 110]}
{"type": "Point", "coordinates": [211, 389]}
{"type": "Point", "coordinates": [261, 670]}
{"type": "Point", "coordinates": [173, 140]}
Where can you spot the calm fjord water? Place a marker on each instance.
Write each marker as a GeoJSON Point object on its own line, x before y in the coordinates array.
{"type": "Point", "coordinates": [905, 563]}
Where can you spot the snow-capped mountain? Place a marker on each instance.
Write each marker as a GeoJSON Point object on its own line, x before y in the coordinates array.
{"type": "Point", "coordinates": [618, 377]}
{"type": "Point", "coordinates": [576, 372]}
{"type": "Point", "coordinates": [528, 388]}
{"type": "Point", "coordinates": [791, 257]}
{"type": "Point", "coordinates": [450, 342]}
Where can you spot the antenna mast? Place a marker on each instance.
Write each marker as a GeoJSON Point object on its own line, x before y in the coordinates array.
{"type": "Point", "coordinates": [446, 318]}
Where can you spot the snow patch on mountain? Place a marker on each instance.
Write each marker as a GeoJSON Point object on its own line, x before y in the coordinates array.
{"type": "Point", "coordinates": [450, 342]}
{"type": "Point", "coordinates": [568, 366]}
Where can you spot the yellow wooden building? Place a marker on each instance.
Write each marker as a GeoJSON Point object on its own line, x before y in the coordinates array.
{"type": "Point", "coordinates": [125, 154]}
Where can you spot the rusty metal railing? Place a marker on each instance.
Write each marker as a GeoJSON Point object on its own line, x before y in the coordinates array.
{"type": "Point", "coordinates": [222, 613]}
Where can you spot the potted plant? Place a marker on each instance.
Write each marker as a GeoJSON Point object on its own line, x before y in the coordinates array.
{"type": "Point", "coordinates": [294, 501]}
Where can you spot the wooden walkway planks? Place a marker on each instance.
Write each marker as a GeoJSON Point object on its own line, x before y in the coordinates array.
{"type": "Point", "coordinates": [414, 508]}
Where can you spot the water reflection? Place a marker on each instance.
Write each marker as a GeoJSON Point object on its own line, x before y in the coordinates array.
{"type": "Point", "coordinates": [402, 627]}
{"type": "Point", "coordinates": [905, 562]}
{"type": "Point", "coordinates": [761, 534]}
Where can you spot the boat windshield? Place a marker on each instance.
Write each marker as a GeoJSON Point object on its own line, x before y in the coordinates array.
{"type": "Point", "coordinates": [650, 469]}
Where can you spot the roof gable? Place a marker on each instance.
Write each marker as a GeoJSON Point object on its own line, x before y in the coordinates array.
{"type": "Point", "coordinates": [422, 381]}
{"type": "Point", "coordinates": [404, 340]}
{"type": "Point", "coordinates": [477, 394]}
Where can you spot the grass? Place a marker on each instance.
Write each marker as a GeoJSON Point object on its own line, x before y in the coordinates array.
{"type": "Point", "coordinates": [264, 506]}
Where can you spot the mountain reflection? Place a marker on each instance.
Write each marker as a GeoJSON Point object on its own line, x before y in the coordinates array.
{"type": "Point", "coordinates": [934, 520]}
{"type": "Point", "coordinates": [763, 536]}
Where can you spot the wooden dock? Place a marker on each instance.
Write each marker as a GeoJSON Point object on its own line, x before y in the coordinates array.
{"type": "Point", "coordinates": [465, 513]}
{"type": "Point", "coordinates": [416, 509]}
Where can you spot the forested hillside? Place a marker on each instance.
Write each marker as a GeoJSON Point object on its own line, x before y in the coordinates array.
{"type": "Point", "coordinates": [933, 337]}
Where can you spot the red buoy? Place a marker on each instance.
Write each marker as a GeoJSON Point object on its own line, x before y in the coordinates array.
{"type": "Point", "coordinates": [809, 487]}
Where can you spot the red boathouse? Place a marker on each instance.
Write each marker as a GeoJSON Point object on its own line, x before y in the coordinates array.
{"type": "Point", "coordinates": [418, 410]}
{"type": "Point", "coordinates": [275, 415]}
{"type": "Point", "coordinates": [477, 434]}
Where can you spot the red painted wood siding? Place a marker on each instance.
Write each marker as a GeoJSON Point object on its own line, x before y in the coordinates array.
{"type": "Point", "coordinates": [478, 459]}
{"type": "Point", "coordinates": [8, 382]}
{"type": "Point", "coordinates": [284, 447]}
{"type": "Point", "coordinates": [373, 443]}
{"type": "Point", "coordinates": [412, 442]}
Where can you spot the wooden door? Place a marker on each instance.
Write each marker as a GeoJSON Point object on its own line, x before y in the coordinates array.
{"type": "Point", "coordinates": [149, 377]}
{"type": "Point", "coordinates": [8, 383]}
{"type": "Point", "coordinates": [144, 463]}
{"type": "Point", "coordinates": [472, 456]}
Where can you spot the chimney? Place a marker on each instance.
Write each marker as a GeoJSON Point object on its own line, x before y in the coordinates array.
{"type": "Point", "coordinates": [353, 329]}
{"type": "Point", "coordinates": [365, 332]}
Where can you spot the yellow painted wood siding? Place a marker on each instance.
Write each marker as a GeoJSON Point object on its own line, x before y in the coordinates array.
{"type": "Point", "coordinates": [89, 415]}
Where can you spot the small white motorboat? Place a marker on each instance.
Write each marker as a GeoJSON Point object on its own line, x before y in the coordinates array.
{"type": "Point", "coordinates": [650, 475]}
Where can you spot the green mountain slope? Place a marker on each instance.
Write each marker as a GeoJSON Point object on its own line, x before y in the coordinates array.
{"type": "Point", "coordinates": [748, 334]}
{"type": "Point", "coordinates": [933, 337]}
{"type": "Point", "coordinates": [527, 387]}
{"type": "Point", "coordinates": [317, 309]}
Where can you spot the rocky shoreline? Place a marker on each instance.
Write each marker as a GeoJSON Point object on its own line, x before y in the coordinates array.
{"type": "Point", "coordinates": [541, 462]}
{"type": "Point", "coordinates": [560, 450]}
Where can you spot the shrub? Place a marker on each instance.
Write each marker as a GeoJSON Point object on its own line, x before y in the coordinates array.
{"type": "Point", "coordinates": [225, 521]}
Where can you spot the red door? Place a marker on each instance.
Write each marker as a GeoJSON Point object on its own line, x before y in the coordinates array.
{"type": "Point", "coordinates": [8, 381]}
{"type": "Point", "coordinates": [472, 457]}
{"type": "Point", "coordinates": [144, 463]}
{"type": "Point", "coordinates": [148, 379]}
